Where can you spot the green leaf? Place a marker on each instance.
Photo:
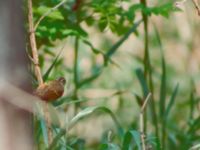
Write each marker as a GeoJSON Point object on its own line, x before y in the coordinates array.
{"type": "Point", "coordinates": [82, 114]}
{"type": "Point", "coordinates": [154, 142]}
{"type": "Point", "coordinates": [192, 100]}
{"type": "Point", "coordinates": [163, 79]}
{"type": "Point", "coordinates": [138, 99]}
{"type": "Point", "coordinates": [56, 139]}
{"type": "Point", "coordinates": [171, 102]}
{"type": "Point", "coordinates": [96, 51]}
{"type": "Point", "coordinates": [46, 75]}
{"type": "Point", "coordinates": [163, 10]}
{"type": "Point", "coordinates": [133, 9]}
{"type": "Point", "coordinates": [128, 137]}
{"type": "Point", "coordinates": [195, 126]}
{"type": "Point", "coordinates": [109, 146]}
{"type": "Point", "coordinates": [90, 110]}
{"type": "Point", "coordinates": [114, 48]}
{"type": "Point", "coordinates": [90, 21]}
{"type": "Point", "coordinates": [142, 80]}
{"type": "Point", "coordinates": [103, 23]}
{"type": "Point", "coordinates": [61, 101]}
{"type": "Point", "coordinates": [89, 79]}
{"type": "Point", "coordinates": [44, 131]}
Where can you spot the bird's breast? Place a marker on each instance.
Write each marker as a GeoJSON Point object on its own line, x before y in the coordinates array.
{"type": "Point", "coordinates": [50, 91]}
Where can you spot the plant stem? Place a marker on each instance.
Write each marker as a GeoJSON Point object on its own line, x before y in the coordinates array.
{"type": "Point", "coordinates": [76, 80]}
{"type": "Point", "coordinates": [142, 131]}
{"type": "Point", "coordinates": [147, 67]}
{"type": "Point", "coordinates": [33, 44]}
{"type": "Point", "coordinates": [36, 64]}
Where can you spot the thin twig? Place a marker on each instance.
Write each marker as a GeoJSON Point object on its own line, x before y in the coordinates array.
{"type": "Point", "coordinates": [36, 65]}
{"type": "Point", "coordinates": [142, 121]}
{"type": "Point", "coordinates": [48, 12]}
{"type": "Point", "coordinates": [148, 67]}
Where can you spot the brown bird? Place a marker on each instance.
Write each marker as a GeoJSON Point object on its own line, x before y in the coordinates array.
{"type": "Point", "coordinates": [52, 90]}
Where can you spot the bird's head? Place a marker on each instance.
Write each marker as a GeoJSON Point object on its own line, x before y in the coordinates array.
{"type": "Point", "coordinates": [62, 80]}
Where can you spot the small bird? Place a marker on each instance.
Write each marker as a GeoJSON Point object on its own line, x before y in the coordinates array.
{"type": "Point", "coordinates": [51, 91]}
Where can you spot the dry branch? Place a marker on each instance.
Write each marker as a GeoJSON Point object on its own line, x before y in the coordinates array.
{"type": "Point", "coordinates": [33, 44]}
{"type": "Point", "coordinates": [36, 65]}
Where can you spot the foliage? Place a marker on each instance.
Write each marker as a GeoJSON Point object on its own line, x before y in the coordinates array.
{"type": "Point", "coordinates": [73, 22]}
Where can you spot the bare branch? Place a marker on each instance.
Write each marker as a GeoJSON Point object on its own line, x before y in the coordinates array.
{"type": "Point", "coordinates": [37, 67]}
{"type": "Point", "coordinates": [33, 44]}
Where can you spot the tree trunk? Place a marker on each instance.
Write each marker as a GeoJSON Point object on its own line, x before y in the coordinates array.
{"type": "Point", "coordinates": [15, 122]}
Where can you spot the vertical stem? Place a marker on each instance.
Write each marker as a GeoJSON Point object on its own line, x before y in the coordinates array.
{"type": "Point", "coordinates": [76, 63]}
{"type": "Point", "coordinates": [147, 67]}
{"type": "Point", "coordinates": [142, 136]}
{"type": "Point", "coordinates": [36, 65]}
{"type": "Point", "coordinates": [76, 45]}
{"type": "Point", "coordinates": [144, 18]}
{"type": "Point", "coordinates": [33, 44]}
{"type": "Point", "coordinates": [142, 131]}
{"type": "Point", "coordinates": [48, 122]}
{"type": "Point", "coordinates": [163, 132]}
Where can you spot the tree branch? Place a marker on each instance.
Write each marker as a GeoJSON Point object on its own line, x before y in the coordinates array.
{"type": "Point", "coordinates": [36, 66]}
{"type": "Point", "coordinates": [33, 44]}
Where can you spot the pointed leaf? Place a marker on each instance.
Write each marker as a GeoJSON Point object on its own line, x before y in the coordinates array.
{"type": "Point", "coordinates": [46, 75]}
{"type": "Point", "coordinates": [114, 48]}
{"type": "Point", "coordinates": [163, 76]}
{"type": "Point", "coordinates": [143, 83]}
{"type": "Point", "coordinates": [90, 110]}
{"type": "Point", "coordinates": [82, 114]}
{"type": "Point", "coordinates": [171, 102]}
{"type": "Point", "coordinates": [129, 136]}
